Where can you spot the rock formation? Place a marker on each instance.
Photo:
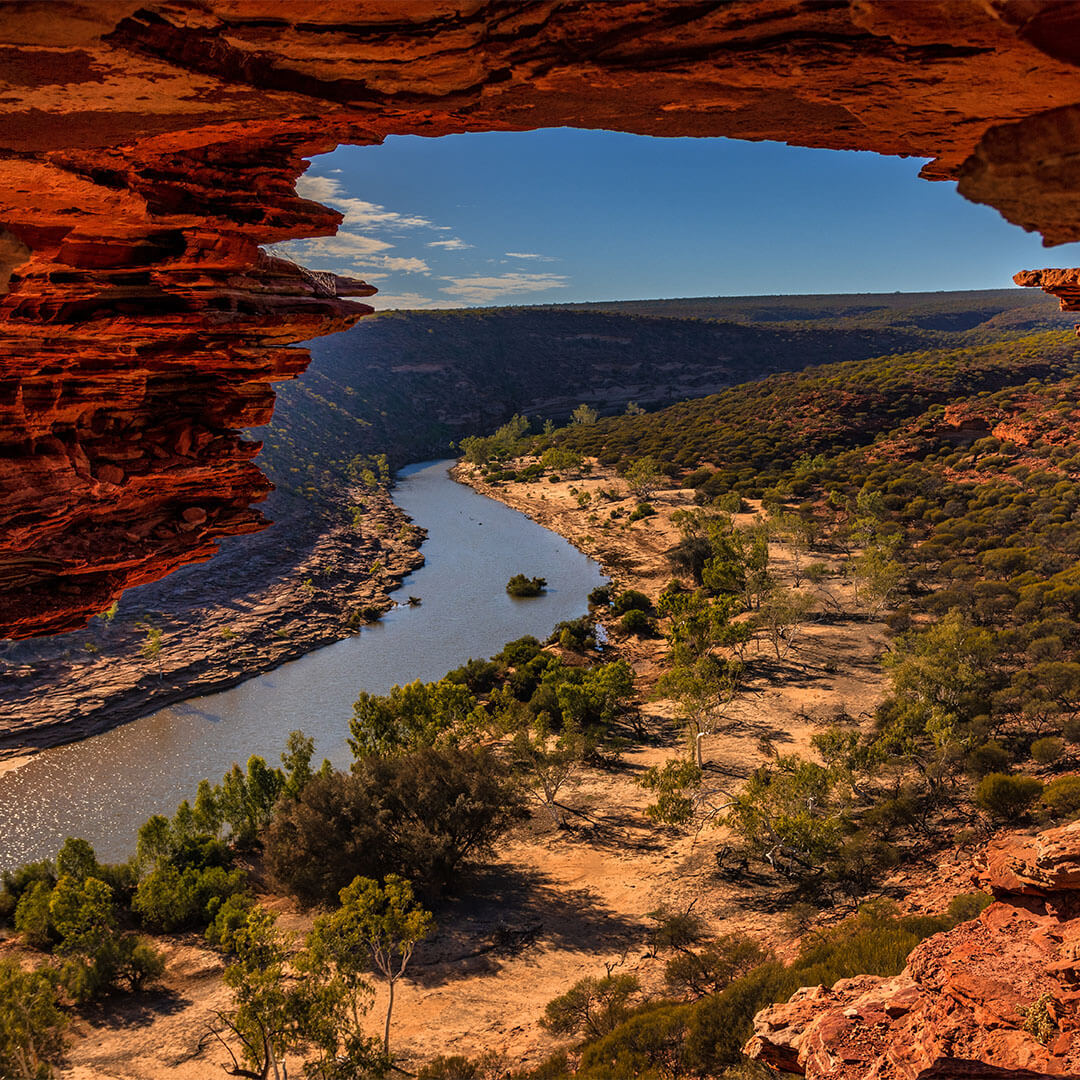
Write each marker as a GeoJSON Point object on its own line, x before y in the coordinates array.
{"type": "Point", "coordinates": [146, 150]}
{"type": "Point", "coordinates": [995, 997]}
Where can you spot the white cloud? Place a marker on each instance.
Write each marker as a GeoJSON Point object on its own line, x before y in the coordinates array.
{"type": "Point", "coordinates": [528, 255]}
{"type": "Point", "coordinates": [454, 244]}
{"type": "Point", "coordinates": [359, 213]}
{"type": "Point", "coordinates": [487, 290]}
{"type": "Point", "coordinates": [406, 265]}
{"type": "Point", "coordinates": [408, 302]}
{"type": "Point", "coordinates": [342, 246]}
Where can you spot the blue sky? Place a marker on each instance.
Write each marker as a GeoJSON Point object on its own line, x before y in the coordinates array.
{"type": "Point", "coordinates": [562, 215]}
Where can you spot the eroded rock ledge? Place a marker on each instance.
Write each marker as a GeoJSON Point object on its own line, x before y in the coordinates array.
{"type": "Point", "coordinates": [994, 998]}
{"type": "Point", "coordinates": [146, 150]}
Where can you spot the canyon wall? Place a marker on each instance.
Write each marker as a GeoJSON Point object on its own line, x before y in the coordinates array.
{"type": "Point", "coordinates": [995, 997]}
{"type": "Point", "coordinates": [147, 150]}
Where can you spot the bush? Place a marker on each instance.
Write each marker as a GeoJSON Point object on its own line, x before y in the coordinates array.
{"type": "Point", "coordinates": [601, 596]}
{"type": "Point", "coordinates": [478, 676]}
{"type": "Point", "coordinates": [637, 622]}
{"type": "Point", "coordinates": [420, 814]}
{"type": "Point", "coordinates": [712, 968]}
{"type": "Point", "coordinates": [591, 1007]}
{"type": "Point", "coordinates": [171, 899]}
{"type": "Point", "coordinates": [577, 635]}
{"type": "Point", "coordinates": [520, 585]}
{"type": "Point", "coordinates": [518, 652]}
{"type": "Point", "coordinates": [991, 757]}
{"type": "Point", "coordinates": [967, 906]}
{"type": "Point", "coordinates": [1062, 796]}
{"type": "Point", "coordinates": [31, 1022]}
{"type": "Point", "coordinates": [1047, 751]}
{"type": "Point", "coordinates": [642, 510]}
{"type": "Point", "coordinates": [16, 882]}
{"type": "Point", "coordinates": [649, 1044]}
{"type": "Point", "coordinates": [632, 600]}
{"type": "Point", "coordinates": [1005, 797]}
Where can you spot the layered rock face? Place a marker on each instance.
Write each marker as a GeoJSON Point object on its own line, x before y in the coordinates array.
{"type": "Point", "coordinates": [996, 997]}
{"type": "Point", "coordinates": [146, 150]}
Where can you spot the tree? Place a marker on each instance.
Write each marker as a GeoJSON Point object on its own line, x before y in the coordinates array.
{"type": "Point", "coordinates": [643, 477]}
{"type": "Point", "coordinates": [296, 758]}
{"type": "Point", "coordinates": [520, 585]}
{"type": "Point", "coordinates": [548, 761]}
{"type": "Point", "coordinates": [583, 415]}
{"type": "Point", "coordinates": [703, 686]}
{"type": "Point", "coordinates": [383, 921]}
{"type": "Point", "coordinates": [31, 1022]}
{"type": "Point", "coordinates": [785, 814]}
{"type": "Point", "coordinates": [420, 814]}
{"type": "Point", "coordinates": [591, 1007]}
{"type": "Point", "coordinates": [246, 800]}
{"type": "Point", "coordinates": [410, 717]}
{"type": "Point", "coordinates": [781, 613]}
{"type": "Point", "coordinates": [264, 1014]}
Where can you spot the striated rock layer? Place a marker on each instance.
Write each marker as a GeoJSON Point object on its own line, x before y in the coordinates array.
{"type": "Point", "coordinates": [995, 997]}
{"type": "Point", "coordinates": [146, 150]}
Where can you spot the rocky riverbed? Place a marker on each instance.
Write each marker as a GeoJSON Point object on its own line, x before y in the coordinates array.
{"type": "Point", "coordinates": [314, 578]}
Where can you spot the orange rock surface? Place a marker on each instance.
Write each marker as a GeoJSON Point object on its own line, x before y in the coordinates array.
{"type": "Point", "coordinates": [147, 149]}
{"type": "Point", "coordinates": [960, 1009]}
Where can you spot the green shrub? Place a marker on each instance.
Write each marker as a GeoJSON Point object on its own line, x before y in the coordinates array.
{"type": "Point", "coordinates": [419, 814]}
{"type": "Point", "coordinates": [602, 596]}
{"type": "Point", "coordinates": [577, 635]}
{"type": "Point", "coordinates": [967, 906]}
{"type": "Point", "coordinates": [1046, 751]}
{"type": "Point", "coordinates": [518, 652]}
{"type": "Point", "coordinates": [649, 1044]}
{"type": "Point", "coordinates": [170, 899]}
{"type": "Point", "coordinates": [991, 757]}
{"type": "Point", "coordinates": [1005, 797]}
{"type": "Point", "coordinates": [18, 881]}
{"type": "Point", "coordinates": [712, 968]}
{"type": "Point", "coordinates": [31, 1022]}
{"type": "Point", "coordinates": [591, 1007]}
{"type": "Point", "coordinates": [632, 600]}
{"type": "Point", "coordinates": [520, 585]}
{"type": "Point", "coordinates": [32, 918]}
{"type": "Point", "coordinates": [228, 916]}
{"type": "Point", "coordinates": [642, 510]}
{"type": "Point", "coordinates": [637, 622]}
{"type": "Point", "coordinates": [479, 676]}
{"type": "Point", "coordinates": [1062, 796]}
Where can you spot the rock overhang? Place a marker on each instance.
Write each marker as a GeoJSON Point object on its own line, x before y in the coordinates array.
{"type": "Point", "coordinates": [148, 150]}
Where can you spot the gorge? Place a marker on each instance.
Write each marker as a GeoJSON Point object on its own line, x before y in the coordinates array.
{"type": "Point", "coordinates": [149, 154]}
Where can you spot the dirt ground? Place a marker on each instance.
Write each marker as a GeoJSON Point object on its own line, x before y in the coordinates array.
{"type": "Point", "coordinates": [553, 905]}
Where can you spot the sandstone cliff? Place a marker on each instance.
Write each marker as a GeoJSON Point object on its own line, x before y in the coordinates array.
{"type": "Point", "coordinates": [146, 150]}
{"type": "Point", "coordinates": [995, 997]}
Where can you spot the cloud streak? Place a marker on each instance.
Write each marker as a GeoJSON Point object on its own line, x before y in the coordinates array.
{"type": "Point", "coordinates": [478, 289]}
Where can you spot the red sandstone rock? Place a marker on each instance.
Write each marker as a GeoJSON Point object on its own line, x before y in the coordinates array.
{"type": "Point", "coordinates": [147, 149]}
{"type": "Point", "coordinates": [958, 1008]}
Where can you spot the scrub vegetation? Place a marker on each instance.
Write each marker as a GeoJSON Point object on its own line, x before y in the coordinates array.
{"type": "Point", "coordinates": [929, 494]}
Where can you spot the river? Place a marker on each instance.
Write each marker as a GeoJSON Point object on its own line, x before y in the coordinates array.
{"type": "Point", "coordinates": [103, 788]}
